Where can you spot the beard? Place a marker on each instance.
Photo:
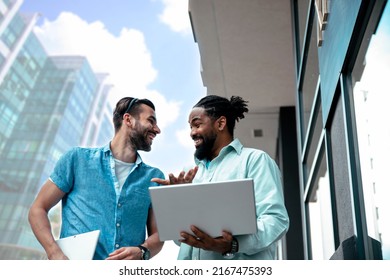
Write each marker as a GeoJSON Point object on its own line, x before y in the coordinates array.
{"type": "Point", "coordinates": [139, 138]}
{"type": "Point", "coordinates": [204, 150]}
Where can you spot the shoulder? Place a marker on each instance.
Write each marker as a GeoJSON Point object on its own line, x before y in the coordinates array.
{"type": "Point", "coordinates": [247, 151]}
{"type": "Point", "coordinates": [257, 155]}
{"type": "Point", "coordinates": [81, 152]}
{"type": "Point", "coordinates": [253, 152]}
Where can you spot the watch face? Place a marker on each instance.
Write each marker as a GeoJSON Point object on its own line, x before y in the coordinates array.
{"type": "Point", "coordinates": [146, 254]}
{"type": "Point", "coordinates": [228, 256]}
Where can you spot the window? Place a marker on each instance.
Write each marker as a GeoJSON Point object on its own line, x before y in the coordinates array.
{"type": "Point", "coordinates": [371, 98]}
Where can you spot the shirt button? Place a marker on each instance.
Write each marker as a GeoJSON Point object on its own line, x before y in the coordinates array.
{"type": "Point", "coordinates": [117, 245]}
{"type": "Point", "coordinates": [119, 205]}
{"type": "Point", "coordinates": [118, 224]}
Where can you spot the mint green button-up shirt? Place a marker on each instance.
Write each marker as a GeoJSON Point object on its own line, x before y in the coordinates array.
{"type": "Point", "coordinates": [237, 162]}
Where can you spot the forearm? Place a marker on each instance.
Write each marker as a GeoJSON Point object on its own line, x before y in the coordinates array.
{"type": "Point", "coordinates": [41, 227]}
{"type": "Point", "coordinates": [154, 244]}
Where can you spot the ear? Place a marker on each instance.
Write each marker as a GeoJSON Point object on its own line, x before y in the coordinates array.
{"type": "Point", "coordinates": [128, 120]}
{"type": "Point", "coordinates": [221, 123]}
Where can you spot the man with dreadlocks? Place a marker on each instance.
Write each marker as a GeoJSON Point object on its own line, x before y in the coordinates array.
{"type": "Point", "coordinates": [220, 157]}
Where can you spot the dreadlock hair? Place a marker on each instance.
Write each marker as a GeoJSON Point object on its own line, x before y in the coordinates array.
{"type": "Point", "coordinates": [217, 106]}
{"type": "Point", "coordinates": [123, 106]}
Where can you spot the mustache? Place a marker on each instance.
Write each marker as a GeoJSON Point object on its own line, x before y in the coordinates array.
{"type": "Point", "coordinates": [152, 132]}
{"type": "Point", "coordinates": [196, 137]}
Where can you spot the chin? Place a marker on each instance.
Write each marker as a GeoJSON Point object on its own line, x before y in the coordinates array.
{"type": "Point", "coordinates": [200, 156]}
{"type": "Point", "coordinates": [146, 149]}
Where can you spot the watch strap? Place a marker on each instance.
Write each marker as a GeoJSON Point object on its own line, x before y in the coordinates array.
{"type": "Point", "coordinates": [233, 250]}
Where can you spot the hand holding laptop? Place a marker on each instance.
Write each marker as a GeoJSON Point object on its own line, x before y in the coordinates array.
{"type": "Point", "coordinates": [200, 239]}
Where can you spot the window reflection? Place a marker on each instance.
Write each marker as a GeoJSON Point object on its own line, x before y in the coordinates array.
{"type": "Point", "coordinates": [371, 98]}
{"type": "Point", "coordinates": [321, 221]}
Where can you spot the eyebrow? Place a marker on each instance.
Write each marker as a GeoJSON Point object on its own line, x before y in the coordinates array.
{"type": "Point", "coordinates": [194, 119]}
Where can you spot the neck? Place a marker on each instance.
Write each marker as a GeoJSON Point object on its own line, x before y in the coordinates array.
{"type": "Point", "coordinates": [219, 144]}
{"type": "Point", "coordinates": [122, 150]}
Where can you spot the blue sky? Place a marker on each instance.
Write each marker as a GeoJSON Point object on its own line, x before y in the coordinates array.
{"type": "Point", "coordinates": [147, 48]}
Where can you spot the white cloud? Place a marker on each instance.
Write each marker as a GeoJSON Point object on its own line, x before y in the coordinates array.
{"type": "Point", "coordinates": [184, 139]}
{"type": "Point", "coordinates": [175, 15]}
{"type": "Point", "coordinates": [125, 58]}
{"type": "Point", "coordinates": [167, 111]}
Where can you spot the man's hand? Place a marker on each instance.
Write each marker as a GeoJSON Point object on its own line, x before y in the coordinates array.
{"type": "Point", "coordinates": [59, 255]}
{"type": "Point", "coordinates": [199, 239]}
{"type": "Point", "coordinates": [126, 253]}
{"type": "Point", "coordinates": [183, 178]}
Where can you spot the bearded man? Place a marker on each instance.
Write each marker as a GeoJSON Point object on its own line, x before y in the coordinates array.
{"type": "Point", "coordinates": [219, 156]}
{"type": "Point", "coordinates": [105, 189]}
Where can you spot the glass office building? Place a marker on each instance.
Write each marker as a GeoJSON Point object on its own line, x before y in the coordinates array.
{"type": "Point", "coordinates": [47, 105]}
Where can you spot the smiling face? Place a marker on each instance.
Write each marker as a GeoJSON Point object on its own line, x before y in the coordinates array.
{"type": "Point", "coordinates": [145, 129]}
{"type": "Point", "coordinates": [203, 132]}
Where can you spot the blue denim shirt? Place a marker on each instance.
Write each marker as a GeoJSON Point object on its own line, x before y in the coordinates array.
{"type": "Point", "coordinates": [237, 162]}
{"type": "Point", "coordinates": [87, 176]}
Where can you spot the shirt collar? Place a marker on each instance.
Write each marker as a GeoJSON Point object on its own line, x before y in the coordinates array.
{"type": "Point", "coordinates": [234, 145]}
{"type": "Point", "coordinates": [106, 148]}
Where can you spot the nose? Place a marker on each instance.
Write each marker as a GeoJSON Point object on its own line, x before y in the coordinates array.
{"type": "Point", "coordinates": [157, 129]}
{"type": "Point", "coordinates": [192, 132]}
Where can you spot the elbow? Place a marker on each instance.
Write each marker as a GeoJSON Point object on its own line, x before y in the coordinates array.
{"type": "Point", "coordinates": [30, 215]}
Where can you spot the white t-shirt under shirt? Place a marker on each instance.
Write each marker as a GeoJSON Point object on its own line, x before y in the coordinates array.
{"type": "Point", "coordinates": [122, 170]}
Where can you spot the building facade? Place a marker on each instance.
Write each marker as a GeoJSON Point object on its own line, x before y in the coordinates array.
{"type": "Point", "coordinates": [303, 65]}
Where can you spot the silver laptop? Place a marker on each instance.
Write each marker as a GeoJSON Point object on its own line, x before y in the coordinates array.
{"type": "Point", "coordinates": [81, 246]}
{"type": "Point", "coordinates": [212, 207]}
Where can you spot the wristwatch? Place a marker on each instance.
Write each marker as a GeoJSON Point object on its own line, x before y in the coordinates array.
{"type": "Point", "coordinates": [233, 251]}
{"type": "Point", "coordinates": [145, 253]}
